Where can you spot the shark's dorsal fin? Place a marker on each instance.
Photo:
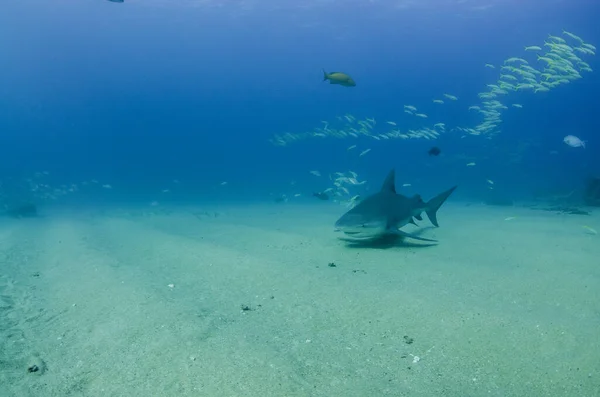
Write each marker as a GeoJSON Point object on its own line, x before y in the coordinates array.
{"type": "Point", "coordinates": [389, 185]}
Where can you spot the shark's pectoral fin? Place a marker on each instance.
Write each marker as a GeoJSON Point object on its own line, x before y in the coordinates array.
{"type": "Point", "coordinates": [408, 235]}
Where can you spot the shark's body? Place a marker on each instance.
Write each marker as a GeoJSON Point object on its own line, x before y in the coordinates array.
{"type": "Point", "coordinates": [385, 212]}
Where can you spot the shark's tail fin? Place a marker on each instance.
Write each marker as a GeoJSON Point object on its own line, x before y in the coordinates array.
{"type": "Point", "coordinates": [325, 75]}
{"type": "Point", "coordinates": [435, 203]}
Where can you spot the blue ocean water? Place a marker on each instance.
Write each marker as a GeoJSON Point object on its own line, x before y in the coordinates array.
{"type": "Point", "coordinates": [166, 143]}
{"type": "Point", "coordinates": [141, 93]}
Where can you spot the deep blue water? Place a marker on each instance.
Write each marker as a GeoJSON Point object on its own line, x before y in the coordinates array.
{"type": "Point", "coordinates": [141, 93]}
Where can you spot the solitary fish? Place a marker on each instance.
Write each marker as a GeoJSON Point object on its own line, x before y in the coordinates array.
{"type": "Point", "coordinates": [385, 212]}
{"type": "Point", "coordinates": [434, 151]}
{"type": "Point", "coordinates": [338, 78]}
{"type": "Point", "coordinates": [573, 141]}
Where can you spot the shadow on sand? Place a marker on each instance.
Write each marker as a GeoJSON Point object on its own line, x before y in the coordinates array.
{"type": "Point", "coordinates": [390, 241]}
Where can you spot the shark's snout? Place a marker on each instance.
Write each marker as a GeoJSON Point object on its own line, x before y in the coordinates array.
{"type": "Point", "coordinates": [355, 225]}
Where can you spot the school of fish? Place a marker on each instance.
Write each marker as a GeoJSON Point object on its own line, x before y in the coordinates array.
{"type": "Point", "coordinates": [541, 69]}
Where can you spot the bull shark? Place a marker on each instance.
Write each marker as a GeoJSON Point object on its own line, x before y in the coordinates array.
{"type": "Point", "coordinates": [386, 211]}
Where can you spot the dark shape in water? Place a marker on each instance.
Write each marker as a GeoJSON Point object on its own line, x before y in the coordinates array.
{"type": "Point", "coordinates": [564, 210]}
{"type": "Point", "coordinates": [23, 211]}
{"type": "Point", "coordinates": [117, 1]}
{"type": "Point", "coordinates": [321, 195]}
{"type": "Point", "coordinates": [591, 196]}
{"type": "Point", "coordinates": [434, 151]}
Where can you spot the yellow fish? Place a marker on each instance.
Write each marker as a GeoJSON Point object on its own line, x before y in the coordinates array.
{"type": "Point", "coordinates": [338, 78]}
{"type": "Point", "coordinates": [590, 230]}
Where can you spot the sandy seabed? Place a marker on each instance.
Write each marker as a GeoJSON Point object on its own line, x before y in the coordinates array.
{"type": "Point", "coordinates": [265, 300]}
